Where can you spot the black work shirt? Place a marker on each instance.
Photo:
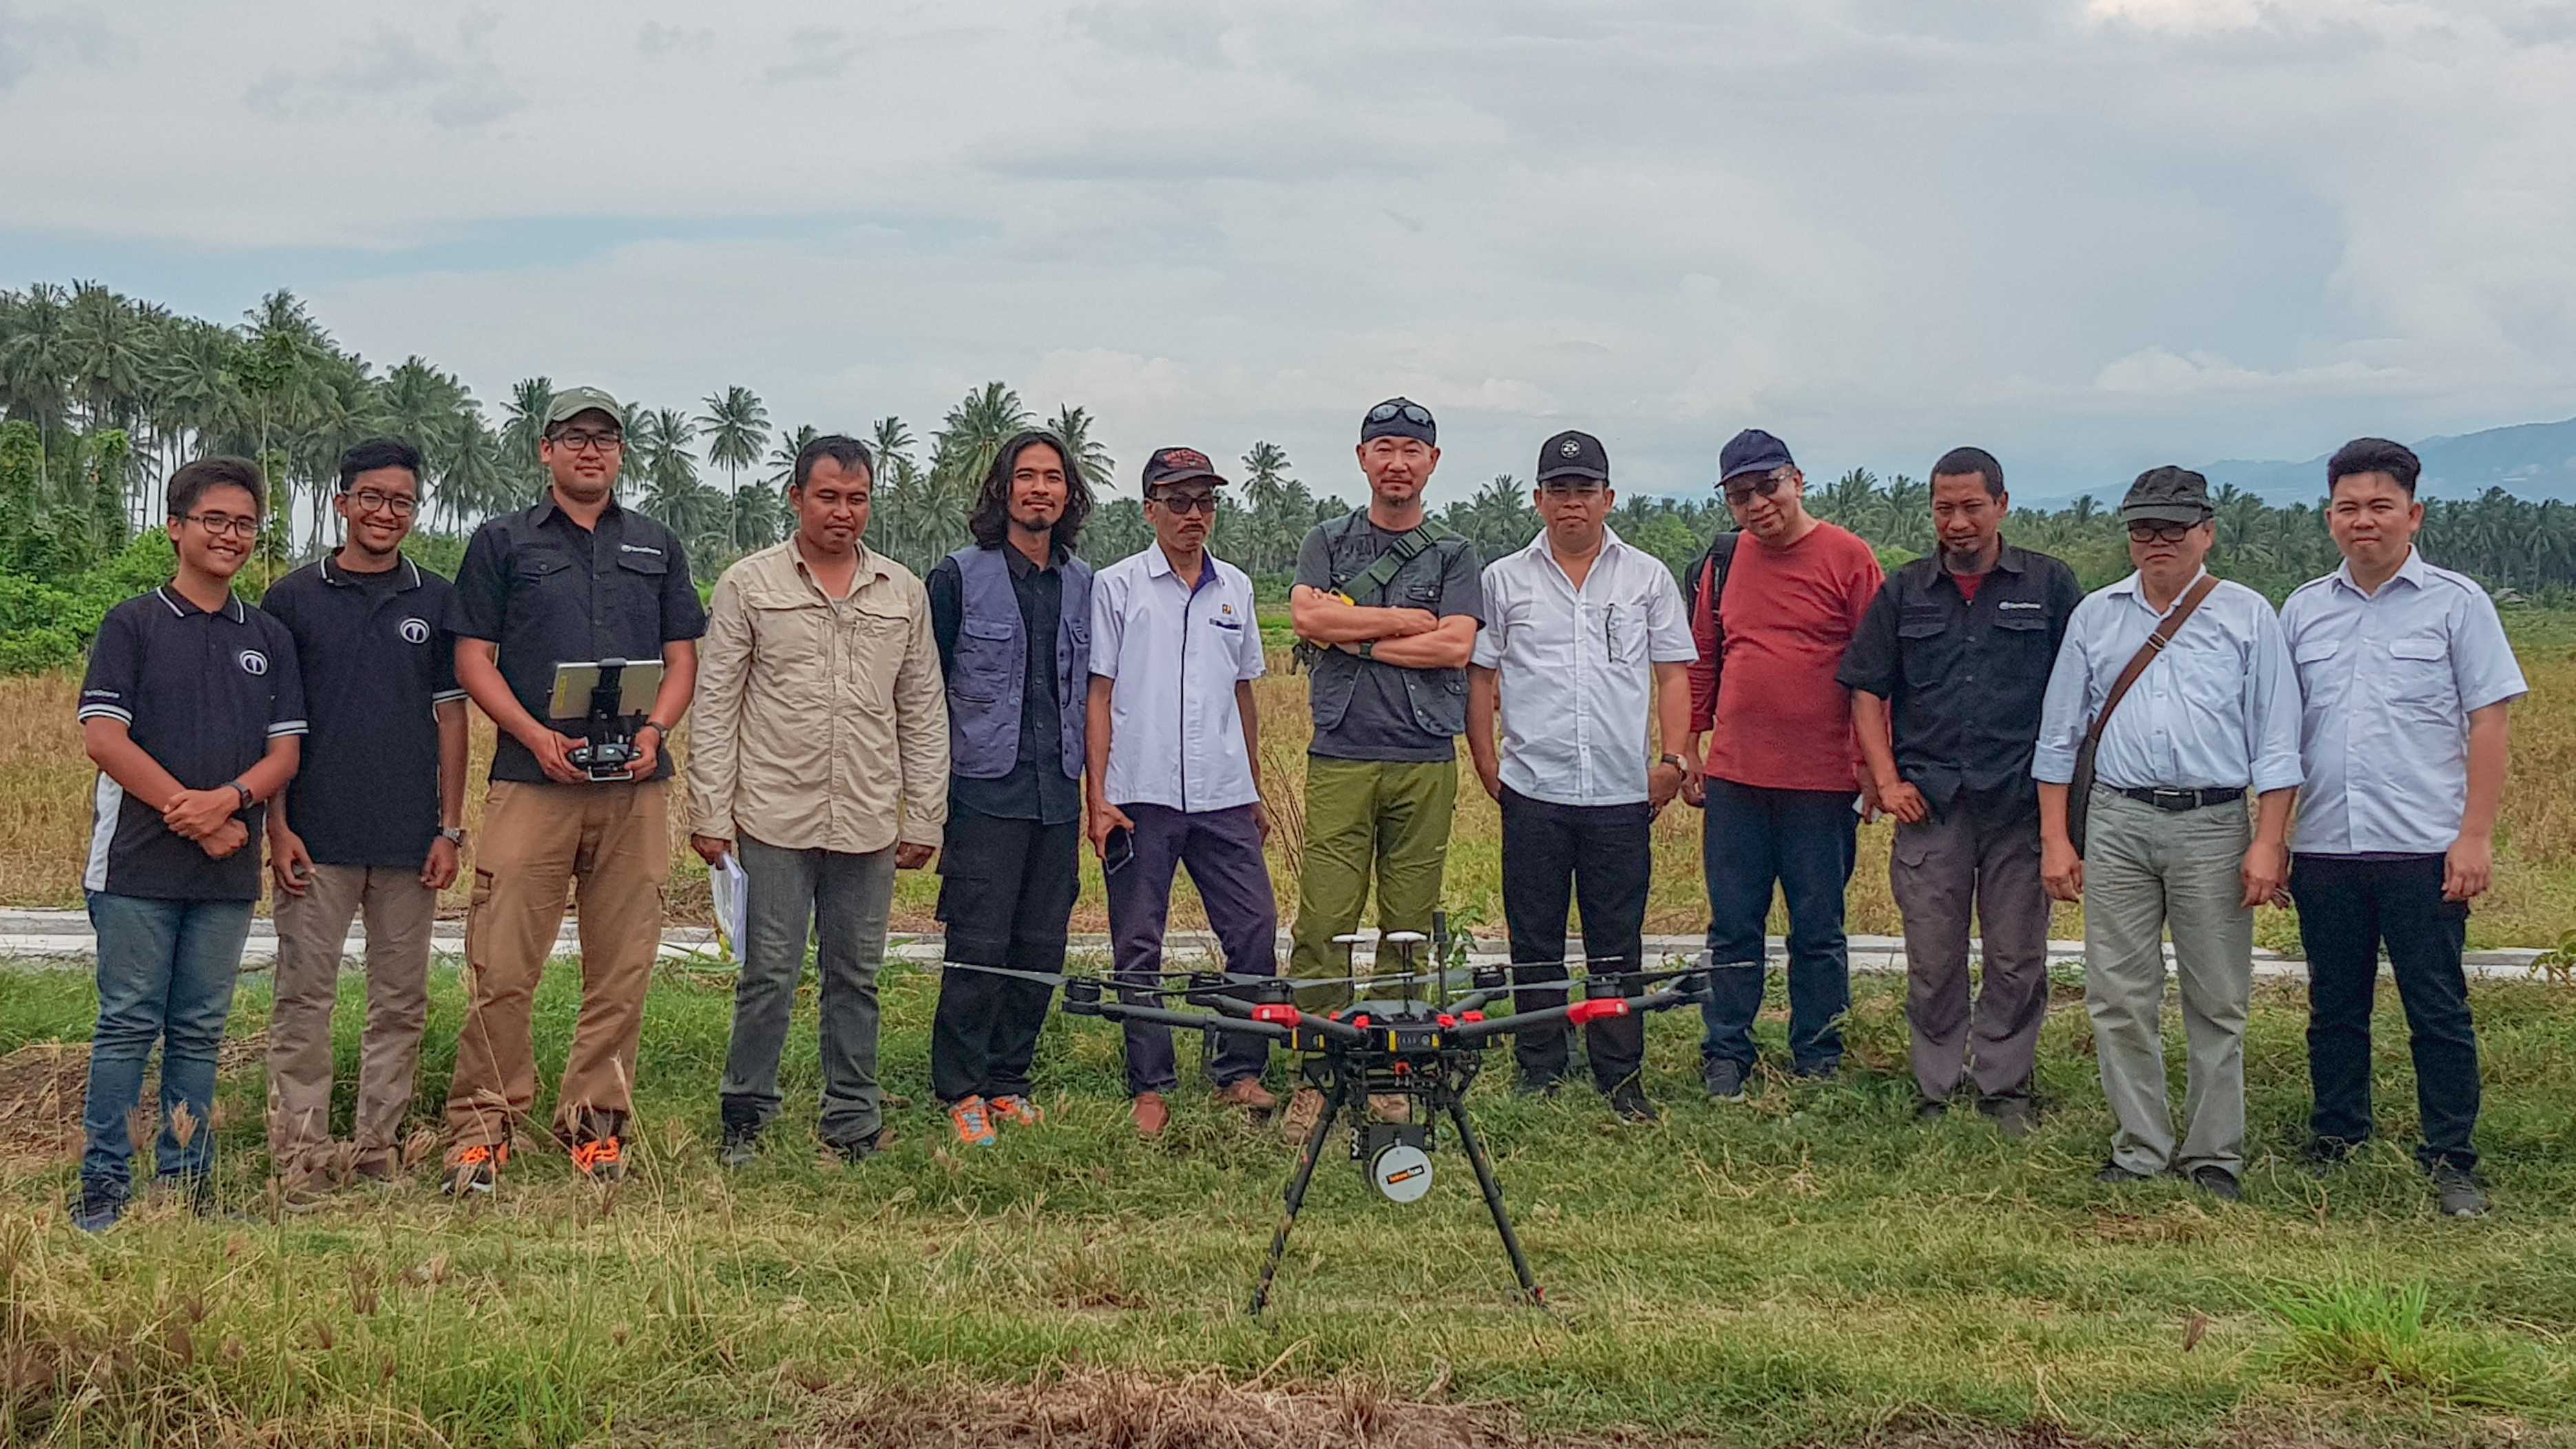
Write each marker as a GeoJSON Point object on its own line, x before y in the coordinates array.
{"type": "Point", "coordinates": [203, 694]}
{"type": "Point", "coordinates": [1964, 680]}
{"type": "Point", "coordinates": [1037, 787]}
{"type": "Point", "coordinates": [550, 591]}
{"type": "Point", "coordinates": [378, 655]}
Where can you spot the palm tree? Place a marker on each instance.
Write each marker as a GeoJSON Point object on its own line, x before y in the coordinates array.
{"type": "Point", "coordinates": [523, 425]}
{"type": "Point", "coordinates": [110, 354]}
{"type": "Point", "coordinates": [736, 426]}
{"type": "Point", "coordinates": [972, 434]}
{"type": "Point", "coordinates": [782, 459]}
{"type": "Point", "coordinates": [38, 364]}
{"type": "Point", "coordinates": [1073, 425]}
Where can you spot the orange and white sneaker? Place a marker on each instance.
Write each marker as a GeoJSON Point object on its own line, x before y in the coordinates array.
{"type": "Point", "coordinates": [476, 1171]}
{"type": "Point", "coordinates": [601, 1158]}
{"type": "Point", "coordinates": [974, 1127]}
{"type": "Point", "coordinates": [1013, 1110]}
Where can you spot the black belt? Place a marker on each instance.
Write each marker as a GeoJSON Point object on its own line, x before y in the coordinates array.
{"type": "Point", "coordinates": [2180, 800]}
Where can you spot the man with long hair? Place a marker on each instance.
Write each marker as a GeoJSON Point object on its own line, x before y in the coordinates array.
{"type": "Point", "coordinates": [1011, 614]}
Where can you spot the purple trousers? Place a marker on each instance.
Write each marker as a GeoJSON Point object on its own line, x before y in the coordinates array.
{"type": "Point", "coordinates": [1222, 851]}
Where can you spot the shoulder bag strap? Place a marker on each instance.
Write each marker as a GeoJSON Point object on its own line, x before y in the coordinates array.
{"type": "Point", "coordinates": [2148, 651]}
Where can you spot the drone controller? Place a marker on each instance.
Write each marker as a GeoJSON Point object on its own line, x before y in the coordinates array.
{"type": "Point", "coordinates": [611, 698]}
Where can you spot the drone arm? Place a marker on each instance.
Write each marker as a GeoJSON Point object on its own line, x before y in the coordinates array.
{"type": "Point", "coordinates": [1195, 1020]}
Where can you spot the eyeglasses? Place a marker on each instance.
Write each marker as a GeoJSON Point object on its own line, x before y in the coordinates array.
{"type": "Point", "coordinates": [1387, 412]}
{"type": "Point", "coordinates": [1766, 485]}
{"type": "Point", "coordinates": [223, 523]}
{"type": "Point", "coordinates": [1187, 503]}
{"type": "Point", "coordinates": [2147, 532]}
{"type": "Point", "coordinates": [579, 442]}
{"type": "Point", "coordinates": [1563, 488]}
{"type": "Point", "coordinates": [368, 500]}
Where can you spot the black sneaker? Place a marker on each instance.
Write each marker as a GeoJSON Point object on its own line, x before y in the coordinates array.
{"type": "Point", "coordinates": [740, 1147]}
{"type": "Point", "coordinates": [2326, 1153]}
{"type": "Point", "coordinates": [1928, 1110]}
{"type": "Point", "coordinates": [2014, 1117]}
{"type": "Point", "coordinates": [2114, 1175]}
{"type": "Point", "coordinates": [1537, 1086]}
{"type": "Point", "coordinates": [97, 1207]}
{"type": "Point", "coordinates": [2461, 1197]}
{"type": "Point", "coordinates": [2218, 1182]}
{"type": "Point", "coordinates": [1628, 1102]}
{"type": "Point", "coordinates": [1724, 1080]}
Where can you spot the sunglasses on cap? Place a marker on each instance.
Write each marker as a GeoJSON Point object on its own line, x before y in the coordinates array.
{"type": "Point", "coordinates": [1766, 485]}
{"type": "Point", "coordinates": [1387, 412]}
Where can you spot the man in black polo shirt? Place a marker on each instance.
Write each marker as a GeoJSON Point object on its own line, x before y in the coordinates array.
{"type": "Point", "coordinates": [192, 711]}
{"type": "Point", "coordinates": [571, 579]}
{"type": "Point", "coordinates": [1957, 648]}
{"type": "Point", "coordinates": [376, 816]}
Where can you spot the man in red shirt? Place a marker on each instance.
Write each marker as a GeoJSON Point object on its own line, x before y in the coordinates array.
{"type": "Point", "coordinates": [1781, 772]}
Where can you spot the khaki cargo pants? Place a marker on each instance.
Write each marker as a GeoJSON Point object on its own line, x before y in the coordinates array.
{"type": "Point", "coordinates": [538, 841]}
{"type": "Point", "coordinates": [312, 933]}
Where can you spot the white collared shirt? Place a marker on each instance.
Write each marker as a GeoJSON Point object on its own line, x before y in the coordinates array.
{"type": "Point", "coordinates": [1175, 732]}
{"type": "Point", "coordinates": [2218, 708]}
{"type": "Point", "coordinates": [2390, 679]}
{"type": "Point", "coordinates": [1576, 668]}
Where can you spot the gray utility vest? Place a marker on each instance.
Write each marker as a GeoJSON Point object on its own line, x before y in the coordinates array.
{"type": "Point", "coordinates": [1438, 696]}
{"type": "Point", "coordinates": [985, 689]}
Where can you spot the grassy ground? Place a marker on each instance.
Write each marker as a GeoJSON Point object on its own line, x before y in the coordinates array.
{"type": "Point", "coordinates": [45, 794]}
{"type": "Point", "coordinates": [1806, 1268]}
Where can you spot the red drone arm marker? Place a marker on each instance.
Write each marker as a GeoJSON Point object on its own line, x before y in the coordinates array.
{"type": "Point", "coordinates": [1584, 1013]}
{"type": "Point", "coordinates": [1276, 1013]}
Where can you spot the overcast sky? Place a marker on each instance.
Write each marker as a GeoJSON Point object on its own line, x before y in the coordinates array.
{"type": "Point", "coordinates": [2092, 235]}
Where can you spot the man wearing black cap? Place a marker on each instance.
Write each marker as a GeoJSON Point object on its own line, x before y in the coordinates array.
{"type": "Point", "coordinates": [1774, 606]}
{"type": "Point", "coordinates": [1588, 637]}
{"type": "Point", "coordinates": [2209, 711]}
{"type": "Point", "coordinates": [1391, 604]}
{"type": "Point", "coordinates": [1174, 778]}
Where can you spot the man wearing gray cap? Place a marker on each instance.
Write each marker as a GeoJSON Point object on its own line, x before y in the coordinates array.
{"type": "Point", "coordinates": [2173, 696]}
{"type": "Point", "coordinates": [572, 579]}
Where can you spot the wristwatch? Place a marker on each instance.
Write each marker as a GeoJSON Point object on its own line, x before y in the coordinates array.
{"type": "Point", "coordinates": [453, 835]}
{"type": "Point", "coordinates": [656, 726]}
{"type": "Point", "coordinates": [1676, 762]}
{"type": "Point", "coordinates": [247, 799]}
{"type": "Point", "coordinates": [1368, 648]}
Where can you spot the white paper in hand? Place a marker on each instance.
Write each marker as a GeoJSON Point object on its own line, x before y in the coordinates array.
{"type": "Point", "coordinates": [732, 892]}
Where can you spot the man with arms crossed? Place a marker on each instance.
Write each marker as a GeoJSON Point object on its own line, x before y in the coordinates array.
{"type": "Point", "coordinates": [1956, 651]}
{"type": "Point", "coordinates": [1583, 633]}
{"type": "Point", "coordinates": [819, 759]}
{"type": "Point", "coordinates": [1012, 616]}
{"type": "Point", "coordinates": [1390, 605]}
{"type": "Point", "coordinates": [574, 578]}
{"type": "Point", "coordinates": [2167, 839]}
{"type": "Point", "coordinates": [1175, 749]}
{"type": "Point", "coordinates": [377, 818]}
{"type": "Point", "coordinates": [2407, 679]}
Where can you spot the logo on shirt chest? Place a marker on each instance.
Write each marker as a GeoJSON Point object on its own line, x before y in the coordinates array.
{"type": "Point", "coordinates": [415, 631]}
{"type": "Point", "coordinates": [252, 661]}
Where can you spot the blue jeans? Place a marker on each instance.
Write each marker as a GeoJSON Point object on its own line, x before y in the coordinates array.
{"type": "Point", "coordinates": [165, 974]}
{"type": "Point", "coordinates": [1806, 841]}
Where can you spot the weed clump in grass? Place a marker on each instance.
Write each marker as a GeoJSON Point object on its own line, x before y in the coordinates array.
{"type": "Point", "coordinates": [2384, 1336]}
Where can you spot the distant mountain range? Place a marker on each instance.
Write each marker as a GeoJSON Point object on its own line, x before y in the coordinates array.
{"type": "Point", "coordinates": [2532, 460]}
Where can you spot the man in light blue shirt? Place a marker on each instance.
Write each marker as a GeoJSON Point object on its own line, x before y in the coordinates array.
{"type": "Point", "coordinates": [2407, 679]}
{"type": "Point", "coordinates": [2168, 841]}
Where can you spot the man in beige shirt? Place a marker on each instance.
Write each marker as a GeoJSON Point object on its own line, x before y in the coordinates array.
{"type": "Point", "coordinates": [819, 760]}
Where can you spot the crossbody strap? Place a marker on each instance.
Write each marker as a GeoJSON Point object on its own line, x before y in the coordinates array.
{"type": "Point", "coordinates": [2147, 652]}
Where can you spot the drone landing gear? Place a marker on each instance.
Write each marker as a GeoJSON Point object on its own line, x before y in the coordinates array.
{"type": "Point", "coordinates": [1338, 1094]}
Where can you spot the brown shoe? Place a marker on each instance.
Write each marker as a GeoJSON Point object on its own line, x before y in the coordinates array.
{"type": "Point", "coordinates": [375, 1167]}
{"type": "Point", "coordinates": [1305, 1109]}
{"type": "Point", "coordinates": [1390, 1107]}
{"type": "Point", "coordinates": [1247, 1093]}
{"type": "Point", "coordinates": [1150, 1114]}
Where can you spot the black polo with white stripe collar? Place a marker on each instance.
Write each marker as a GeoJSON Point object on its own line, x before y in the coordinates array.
{"type": "Point", "coordinates": [203, 694]}
{"type": "Point", "coordinates": [378, 655]}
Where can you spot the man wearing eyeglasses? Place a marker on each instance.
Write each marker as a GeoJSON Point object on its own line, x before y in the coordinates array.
{"type": "Point", "coordinates": [1174, 738]}
{"type": "Point", "coordinates": [1389, 604]}
{"type": "Point", "coordinates": [2213, 714]}
{"type": "Point", "coordinates": [193, 711]}
{"type": "Point", "coordinates": [374, 824]}
{"type": "Point", "coordinates": [1587, 637]}
{"type": "Point", "coordinates": [573, 578]}
{"type": "Point", "coordinates": [1771, 623]}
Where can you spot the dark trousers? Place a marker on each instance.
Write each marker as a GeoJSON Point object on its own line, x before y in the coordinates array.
{"type": "Point", "coordinates": [1980, 852]}
{"type": "Point", "coordinates": [1221, 849]}
{"type": "Point", "coordinates": [844, 898]}
{"type": "Point", "coordinates": [1556, 855]}
{"type": "Point", "coordinates": [1006, 892]}
{"type": "Point", "coordinates": [2348, 909]}
{"type": "Point", "coordinates": [1804, 841]}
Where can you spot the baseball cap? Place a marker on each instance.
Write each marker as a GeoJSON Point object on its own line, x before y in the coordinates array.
{"type": "Point", "coordinates": [1400, 417]}
{"type": "Point", "coordinates": [2167, 495]}
{"type": "Point", "coordinates": [573, 401]}
{"type": "Point", "coordinates": [1752, 451]}
{"type": "Point", "coordinates": [1179, 465]}
{"type": "Point", "coordinates": [1571, 454]}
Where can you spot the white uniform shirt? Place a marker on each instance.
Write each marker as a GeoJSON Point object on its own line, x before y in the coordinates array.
{"type": "Point", "coordinates": [2390, 679]}
{"type": "Point", "coordinates": [2219, 708]}
{"type": "Point", "coordinates": [1175, 733]}
{"type": "Point", "coordinates": [1576, 668]}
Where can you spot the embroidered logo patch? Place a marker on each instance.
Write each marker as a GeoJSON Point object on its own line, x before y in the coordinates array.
{"type": "Point", "coordinates": [253, 662]}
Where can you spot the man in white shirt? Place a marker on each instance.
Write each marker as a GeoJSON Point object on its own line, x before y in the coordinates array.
{"type": "Point", "coordinates": [2168, 842]}
{"type": "Point", "coordinates": [2407, 678]}
{"type": "Point", "coordinates": [1173, 735]}
{"type": "Point", "coordinates": [1582, 632]}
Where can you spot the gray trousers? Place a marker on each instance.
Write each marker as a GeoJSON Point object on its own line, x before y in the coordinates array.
{"type": "Point", "coordinates": [312, 931]}
{"type": "Point", "coordinates": [2145, 870]}
{"type": "Point", "coordinates": [1981, 852]}
{"type": "Point", "coordinates": [845, 897]}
